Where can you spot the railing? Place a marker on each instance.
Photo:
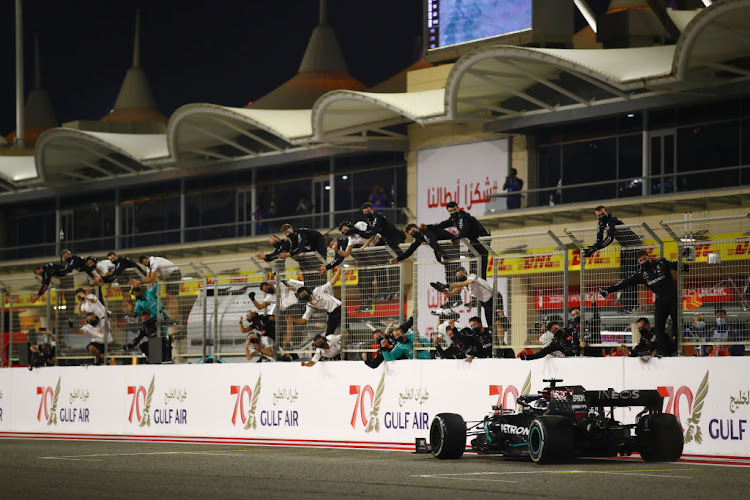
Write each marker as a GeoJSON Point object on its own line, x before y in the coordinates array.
{"type": "Point", "coordinates": [632, 187]}
{"type": "Point", "coordinates": [535, 278]}
{"type": "Point", "coordinates": [205, 234]}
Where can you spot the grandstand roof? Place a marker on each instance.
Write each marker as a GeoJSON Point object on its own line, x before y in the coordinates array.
{"type": "Point", "coordinates": [500, 86]}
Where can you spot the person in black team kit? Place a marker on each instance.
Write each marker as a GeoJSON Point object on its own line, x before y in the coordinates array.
{"type": "Point", "coordinates": [46, 272]}
{"type": "Point", "coordinates": [378, 224]}
{"type": "Point", "coordinates": [279, 246]}
{"type": "Point", "coordinates": [629, 242]}
{"type": "Point", "coordinates": [470, 228]}
{"type": "Point", "coordinates": [425, 235]}
{"type": "Point", "coordinates": [304, 240]}
{"type": "Point", "coordinates": [657, 276]}
{"type": "Point", "coordinates": [121, 264]}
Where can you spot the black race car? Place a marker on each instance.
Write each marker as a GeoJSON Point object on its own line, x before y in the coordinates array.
{"type": "Point", "coordinates": [563, 422]}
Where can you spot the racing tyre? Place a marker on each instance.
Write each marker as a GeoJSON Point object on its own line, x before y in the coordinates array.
{"type": "Point", "coordinates": [660, 438]}
{"type": "Point", "coordinates": [448, 436]}
{"type": "Point", "coordinates": [551, 439]}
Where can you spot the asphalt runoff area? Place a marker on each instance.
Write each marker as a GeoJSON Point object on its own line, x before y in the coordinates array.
{"type": "Point", "coordinates": [84, 469]}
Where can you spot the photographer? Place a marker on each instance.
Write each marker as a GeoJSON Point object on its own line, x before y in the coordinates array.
{"type": "Point", "coordinates": [561, 344]}
{"type": "Point", "coordinates": [42, 355]}
{"type": "Point", "coordinates": [89, 303]}
{"type": "Point", "coordinates": [95, 331]}
{"type": "Point", "coordinates": [259, 346]}
{"type": "Point", "coordinates": [380, 342]}
{"type": "Point", "coordinates": [148, 330]}
{"type": "Point", "coordinates": [455, 350]}
{"type": "Point", "coordinates": [265, 325]}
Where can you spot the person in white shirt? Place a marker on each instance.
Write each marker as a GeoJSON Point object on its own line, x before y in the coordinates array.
{"type": "Point", "coordinates": [328, 347]}
{"type": "Point", "coordinates": [478, 288]}
{"type": "Point", "coordinates": [89, 303]}
{"type": "Point", "coordinates": [166, 271]}
{"type": "Point", "coordinates": [259, 348]}
{"type": "Point", "coordinates": [96, 333]}
{"type": "Point", "coordinates": [99, 269]}
{"type": "Point", "coordinates": [321, 299]}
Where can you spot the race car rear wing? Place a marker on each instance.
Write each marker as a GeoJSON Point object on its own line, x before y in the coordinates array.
{"type": "Point", "coordinates": [648, 398]}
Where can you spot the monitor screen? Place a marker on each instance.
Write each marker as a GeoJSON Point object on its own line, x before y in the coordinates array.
{"type": "Point", "coordinates": [454, 22]}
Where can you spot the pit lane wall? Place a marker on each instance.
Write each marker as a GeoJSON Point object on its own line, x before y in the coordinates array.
{"type": "Point", "coordinates": [349, 404]}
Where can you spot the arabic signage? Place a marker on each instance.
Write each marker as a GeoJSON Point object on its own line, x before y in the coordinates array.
{"type": "Point", "coordinates": [466, 173]}
{"type": "Point", "coordinates": [348, 402]}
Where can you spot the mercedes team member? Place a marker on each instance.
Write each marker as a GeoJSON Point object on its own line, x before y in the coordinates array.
{"type": "Point", "coordinates": [425, 235]}
{"type": "Point", "coordinates": [387, 234]}
{"type": "Point", "coordinates": [304, 240]}
{"type": "Point", "coordinates": [46, 272]}
{"type": "Point", "coordinates": [479, 289]}
{"type": "Point", "coordinates": [122, 264]}
{"type": "Point", "coordinates": [321, 299]}
{"type": "Point", "coordinates": [629, 243]}
{"type": "Point", "coordinates": [279, 246]}
{"type": "Point", "coordinates": [470, 228]}
{"type": "Point", "coordinates": [166, 271]}
{"type": "Point", "coordinates": [657, 276]}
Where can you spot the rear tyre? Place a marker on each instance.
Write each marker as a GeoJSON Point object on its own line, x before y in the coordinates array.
{"type": "Point", "coordinates": [448, 436]}
{"type": "Point", "coordinates": [551, 439]}
{"type": "Point", "coordinates": [660, 438]}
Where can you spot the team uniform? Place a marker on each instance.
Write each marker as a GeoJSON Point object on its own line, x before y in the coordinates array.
{"type": "Point", "coordinates": [168, 271]}
{"type": "Point", "coordinates": [471, 229]}
{"type": "Point", "coordinates": [332, 352]}
{"type": "Point", "coordinates": [322, 299]}
{"type": "Point", "coordinates": [658, 279]}
{"type": "Point", "coordinates": [122, 264]}
{"type": "Point", "coordinates": [629, 243]}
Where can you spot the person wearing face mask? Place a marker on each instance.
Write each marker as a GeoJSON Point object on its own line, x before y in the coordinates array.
{"type": "Point", "coordinates": [262, 323]}
{"type": "Point", "coordinates": [403, 347]}
{"type": "Point", "coordinates": [697, 331]}
{"type": "Point", "coordinates": [148, 330]}
{"type": "Point", "coordinates": [305, 240]}
{"type": "Point", "coordinates": [645, 345]}
{"type": "Point", "coordinates": [628, 240]}
{"type": "Point", "coordinates": [326, 346]}
{"type": "Point", "coordinates": [144, 299]}
{"type": "Point", "coordinates": [469, 228]}
{"type": "Point", "coordinates": [455, 349]}
{"type": "Point", "coordinates": [560, 344]}
{"type": "Point", "coordinates": [96, 332]}
{"type": "Point", "coordinates": [320, 299]}
{"type": "Point", "coordinates": [657, 276]}
{"type": "Point", "coordinates": [478, 288]}
{"type": "Point", "coordinates": [89, 303]}
{"type": "Point", "coordinates": [425, 235]}
{"type": "Point", "coordinates": [481, 340]}
{"type": "Point", "coordinates": [723, 332]}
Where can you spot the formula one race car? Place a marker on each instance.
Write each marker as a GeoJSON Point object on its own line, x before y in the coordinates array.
{"type": "Point", "coordinates": [563, 422]}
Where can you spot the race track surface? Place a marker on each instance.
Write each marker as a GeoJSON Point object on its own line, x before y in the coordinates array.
{"type": "Point", "coordinates": [64, 469]}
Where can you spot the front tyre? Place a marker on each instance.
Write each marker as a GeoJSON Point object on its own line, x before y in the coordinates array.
{"type": "Point", "coordinates": [448, 436]}
{"type": "Point", "coordinates": [551, 439]}
{"type": "Point", "coordinates": [660, 438]}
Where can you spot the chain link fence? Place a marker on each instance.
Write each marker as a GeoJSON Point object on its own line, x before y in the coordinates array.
{"type": "Point", "coordinates": [207, 311]}
{"type": "Point", "coordinates": [435, 308]}
{"type": "Point", "coordinates": [714, 294]}
{"type": "Point", "coordinates": [529, 274]}
{"type": "Point", "coordinates": [372, 292]}
{"type": "Point", "coordinates": [610, 321]}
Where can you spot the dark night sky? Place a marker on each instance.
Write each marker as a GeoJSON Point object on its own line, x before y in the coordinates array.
{"type": "Point", "coordinates": [222, 52]}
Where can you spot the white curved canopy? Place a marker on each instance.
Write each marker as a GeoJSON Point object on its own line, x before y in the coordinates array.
{"type": "Point", "coordinates": [492, 83]}
{"type": "Point", "coordinates": [65, 154]}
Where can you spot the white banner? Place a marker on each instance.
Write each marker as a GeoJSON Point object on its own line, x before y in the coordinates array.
{"type": "Point", "coordinates": [349, 404]}
{"type": "Point", "coordinates": [464, 173]}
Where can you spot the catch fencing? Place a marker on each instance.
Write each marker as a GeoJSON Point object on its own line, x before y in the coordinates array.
{"type": "Point", "coordinates": [530, 275]}
{"type": "Point", "coordinates": [610, 321]}
{"type": "Point", "coordinates": [714, 293]}
{"type": "Point", "coordinates": [534, 277]}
